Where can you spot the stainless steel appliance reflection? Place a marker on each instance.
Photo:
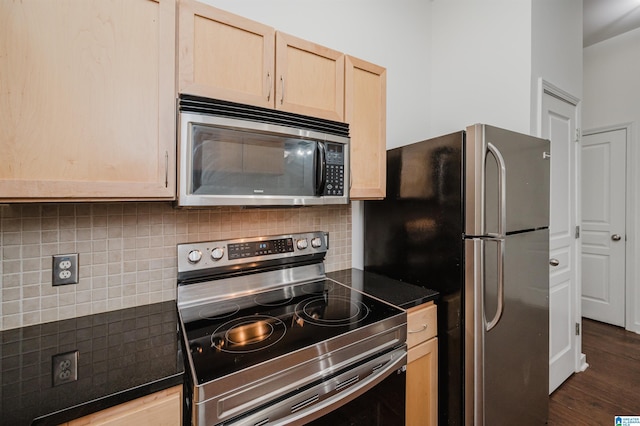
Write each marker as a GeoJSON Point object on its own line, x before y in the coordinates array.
{"type": "Point", "coordinates": [269, 339]}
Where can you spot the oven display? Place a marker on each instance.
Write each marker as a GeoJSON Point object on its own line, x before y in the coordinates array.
{"type": "Point", "coordinates": [260, 248]}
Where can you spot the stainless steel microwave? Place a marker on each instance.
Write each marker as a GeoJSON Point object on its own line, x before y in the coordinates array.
{"type": "Point", "coordinates": [234, 154]}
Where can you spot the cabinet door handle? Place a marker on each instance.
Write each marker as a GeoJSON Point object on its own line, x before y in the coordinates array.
{"type": "Point", "coordinates": [282, 86]}
{"type": "Point", "coordinates": [166, 169]}
{"type": "Point", "coordinates": [269, 84]}
{"type": "Point", "coordinates": [424, 327]}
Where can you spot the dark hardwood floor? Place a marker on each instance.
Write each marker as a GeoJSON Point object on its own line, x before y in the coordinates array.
{"type": "Point", "coordinates": [611, 384]}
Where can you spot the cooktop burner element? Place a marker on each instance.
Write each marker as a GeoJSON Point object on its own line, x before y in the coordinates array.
{"type": "Point", "coordinates": [341, 311]}
{"type": "Point", "coordinates": [266, 300]}
{"type": "Point", "coordinates": [262, 327]}
{"type": "Point", "coordinates": [223, 310]}
{"type": "Point", "coordinates": [248, 334]}
{"type": "Point", "coordinates": [314, 288]}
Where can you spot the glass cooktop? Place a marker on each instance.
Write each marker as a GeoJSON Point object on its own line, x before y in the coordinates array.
{"type": "Point", "coordinates": [230, 335]}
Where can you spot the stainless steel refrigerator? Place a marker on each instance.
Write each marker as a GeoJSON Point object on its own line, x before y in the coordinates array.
{"type": "Point", "coordinates": [467, 214]}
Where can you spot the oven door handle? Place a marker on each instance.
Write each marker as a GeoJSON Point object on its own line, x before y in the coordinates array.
{"type": "Point", "coordinates": [350, 393]}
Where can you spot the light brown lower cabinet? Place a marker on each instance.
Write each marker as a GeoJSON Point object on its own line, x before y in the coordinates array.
{"type": "Point", "coordinates": [422, 384]}
{"type": "Point", "coordinates": [163, 408]}
{"type": "Point", "coordinates": [422, 367]}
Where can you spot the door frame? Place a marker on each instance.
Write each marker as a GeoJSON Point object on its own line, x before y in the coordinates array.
{"type": "Point", "coordinates": [631, 287]}
{"type": "Point", "coordinates": [545, 87]}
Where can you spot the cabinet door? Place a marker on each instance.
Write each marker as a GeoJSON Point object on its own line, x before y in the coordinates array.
{"type": "Point", "coordinates": [366, 113]}
{"type": "Point", "coordinates": [422, 384]}
{"type": "Point", "coordinates": [225, 56]}
{"type": "Point", "coordinates": [309, 78]}
{"type": "Point", "coordinates": [87, 109]}
{"type": "Point", "coordinates": [163, 408]}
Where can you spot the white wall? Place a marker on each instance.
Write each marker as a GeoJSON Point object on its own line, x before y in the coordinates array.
{"type": "Point", "coordinates": [612, 97]}
{"type": "Point", "coordinates": [612, 81]}
{"type": "Point", "coordinates": [480, 63]}
{"type": "Point", "coordinates": [556, 49]}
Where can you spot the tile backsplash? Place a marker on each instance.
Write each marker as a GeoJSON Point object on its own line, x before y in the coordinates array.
{"type": "Point", "coordinates": [127, 251]}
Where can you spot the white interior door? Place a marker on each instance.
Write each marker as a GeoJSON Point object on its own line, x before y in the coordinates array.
{"type": "Point", "coordinates": [603, 226]}
{"type": "Point", "coordinates": [559, 126]}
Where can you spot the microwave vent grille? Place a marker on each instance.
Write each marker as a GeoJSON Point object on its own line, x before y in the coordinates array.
{"type": "Point", "coordinates": [216, 107]}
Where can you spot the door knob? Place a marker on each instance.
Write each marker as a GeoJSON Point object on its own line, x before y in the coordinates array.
{"type": "Point", "coordinates": [554, 262]}
{"type": "Point", "coordinates": [616, 237]}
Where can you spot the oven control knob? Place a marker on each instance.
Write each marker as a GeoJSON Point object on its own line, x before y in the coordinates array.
{"type": "Point", "coordinates": [194, 256]}
{"type": "Point", "coordinates": [302, 244]}
{"type": "Point", "coordinates": [217, 253]}
{"type": "Point", "coordinates": [316, 242]}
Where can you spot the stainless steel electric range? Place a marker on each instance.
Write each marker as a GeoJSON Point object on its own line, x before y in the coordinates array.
{"type": "Point", "coordinates": [270, 340]}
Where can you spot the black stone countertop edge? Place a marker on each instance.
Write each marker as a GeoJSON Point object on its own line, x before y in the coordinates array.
{"type": "Point", "coordinates": [122, 355]}
{"type": "Point", "coordinates": [398, 293]}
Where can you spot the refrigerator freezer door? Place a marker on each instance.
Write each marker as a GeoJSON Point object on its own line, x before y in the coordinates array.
{"type": "Point", "coordinates": [414, 234]}
{"type": "Point", "coordinates": [507, 367]}
{"type": "Point", "coordinates": [527, 166]}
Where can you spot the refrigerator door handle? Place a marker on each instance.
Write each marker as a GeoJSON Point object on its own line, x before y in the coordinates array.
{"type": "Point", "coordinates": [500, 305]}
{"type": "Point", "coordinates": [502, 190]}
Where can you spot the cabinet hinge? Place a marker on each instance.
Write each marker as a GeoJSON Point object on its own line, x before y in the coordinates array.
{"type": "Point", "coordinates": [577, 329]}
{"type": "Point", "coordinates": [578, 135]}
{"type": "Point", "coordinates": [577, 232]}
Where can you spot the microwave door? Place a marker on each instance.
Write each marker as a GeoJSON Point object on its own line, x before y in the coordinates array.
{"type": "Point", "coordinates": [229, 162]}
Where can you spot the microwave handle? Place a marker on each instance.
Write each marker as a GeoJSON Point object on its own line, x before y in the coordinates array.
{"type": "Point", "coordinates": [321, 161]}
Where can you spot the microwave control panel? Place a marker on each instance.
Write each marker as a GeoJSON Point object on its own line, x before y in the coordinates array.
{"type": "Point", "coordinates": [334, 179]}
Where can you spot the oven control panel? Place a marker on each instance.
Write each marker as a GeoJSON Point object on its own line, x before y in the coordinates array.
{"type": "Point", "coordinates": [260, 248]}
{"type": "Point", "coordinates": [214, 254]}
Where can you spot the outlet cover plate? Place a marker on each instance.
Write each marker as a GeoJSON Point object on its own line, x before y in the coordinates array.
{"type": "Point", "coordinates": [64, 367]}
{"type": "Point", "coordinates": [64, 269]}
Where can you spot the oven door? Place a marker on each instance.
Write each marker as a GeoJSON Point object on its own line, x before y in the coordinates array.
{"type": "Point", "coordinates": [372, 392]}
{"type": "Point", "coordinates": [226, 161]}
{"type": "Point", "coordinates": [381, 405]}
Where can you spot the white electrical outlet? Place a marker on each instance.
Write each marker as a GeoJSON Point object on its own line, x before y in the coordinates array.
{"type": "Point", "coordinates": [64, 269]}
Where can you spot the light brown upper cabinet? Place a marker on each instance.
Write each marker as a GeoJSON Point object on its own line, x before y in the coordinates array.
{"type": "Point", "coordinates": [225, 56]}
{"type": "Point", "coordinates": [310, 78]}
{"type": "Point", "coordinates": [366, 113]}
{"type": "Point", "coordinates": [87, 100]}
{"type": "Point", "coordinates": [229, 57]}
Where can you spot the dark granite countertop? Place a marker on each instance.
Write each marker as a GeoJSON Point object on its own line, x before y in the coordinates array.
{"type": "Point", "coordinates": [401, 294]}
{"type": "Point", "coordinates": [123, 355]}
